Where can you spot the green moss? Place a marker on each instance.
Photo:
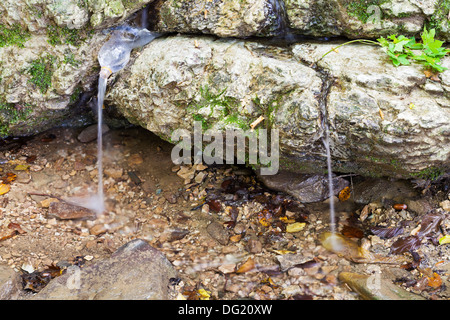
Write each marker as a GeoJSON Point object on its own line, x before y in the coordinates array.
{"type": "Point", "coordinates": [440, 16]}
{"type": "Point", "coordinates": [13, 36]}
{"type": "Point", "coordinates": [269, 110]}
{"type": "Point", "coordinates": [11, 114]}
{"type": "Point", "coordinates": [41, 71]}
{"type": "Point", "coordinates": [70, 59]}
{"type": "Point", "coordinates": [359, 8]}
{"type": "Point", "coordinates": [63, 35]}
{"type": "Point", "coordinates": [199, 117]}
{"type": "Point", "coordinates": [235, 119]}
{"type": "Point", "coordinates": [75, 95]}
{"type": "Point", "coordinates": [430, 173]}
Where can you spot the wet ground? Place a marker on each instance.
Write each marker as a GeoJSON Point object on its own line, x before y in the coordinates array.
{"type": "Point", "coordinates": [227, 235]}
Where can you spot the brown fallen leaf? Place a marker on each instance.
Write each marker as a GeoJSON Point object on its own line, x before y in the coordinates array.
{"type": "Point", "coordinates": [16, 227]}
{"type": "Point", "coordinates": [352, 232]}
{"type": "Point", "coordinates": [246, 266]}
{"type": "Point", "coordinates": [10, 177]}
{"type": "Point", "coordinates": [433, 279]}
{"type": "Point", "coordinates": [406, 244]}
{"type": "Point", "coordinates": [386, 233]}
{"type": "Point", "coordinates": [430, 224]}
{"type": "Point", "coordinates": [344, 194]}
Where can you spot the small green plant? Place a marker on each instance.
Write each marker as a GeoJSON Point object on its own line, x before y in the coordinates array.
{"type": "Point", "coordinates": [70, 59]}
{"type": "Point", "coordinates": [430, 173]}
{"type": "Point", "coordinates": [219, 101]}
{"type": "Point", "coordinates": [402, 50]}
{"type": "Point", "coordinates": [41, 71]}
{"type": "Point", "coordinates": [214, 100]}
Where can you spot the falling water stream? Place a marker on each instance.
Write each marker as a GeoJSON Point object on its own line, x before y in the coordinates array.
{"type": "Point", "coordinates": [113, 56]}
{"type": "Point", "coordinates": [96, 202]}
{"type": "Point", "coordinates": [101, 96]}
{"type": "Point", "coordinates": [332, 235]}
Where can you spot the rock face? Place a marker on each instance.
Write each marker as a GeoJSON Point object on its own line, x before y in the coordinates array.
{"type": "Point", "coordinates": [353, 19]}
{"type": "Point", "coordinates": [136, 271]}
{"type": "Point", "coordinates": [227, 18]}
{"type": "Point", "coordinates": [383, 120]}
{"type": "Point", "coordinates": [48, 54]}
{"type": "Point", "coordinates": [39, 15]}
{"type": "Point", "coordinates": [51, 79]}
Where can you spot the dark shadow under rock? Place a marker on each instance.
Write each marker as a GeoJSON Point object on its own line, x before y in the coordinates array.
{"type": "Point", "coordinates": [304, 187]}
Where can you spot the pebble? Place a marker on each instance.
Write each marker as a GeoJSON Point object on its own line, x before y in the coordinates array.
{"type": "Point", "coordinates": [254, 246]}
{"type": "Point", "coordinates": [218, 232]}
{"type": "Point", "coordinates": [46, 202]}
{"type": "Point", "coordinates": [98, 229]}
{"type": "Point", "coordinates": [445, 205]}
{"type": "Point", "coordinates": [135, 159]}
{"type": "Point", "coordinates": [90, 133]}
{"type": "Point", "coordinates": [114, 173]}
{"type": "Point", "coordinates": [227, 268]}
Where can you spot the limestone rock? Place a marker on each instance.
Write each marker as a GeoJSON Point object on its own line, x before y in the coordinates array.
{"type": "Point", "coordinates": [383, 120]}
{"type": "Point", "coordinates": [353, 19]}
{"type": "Point", "coordinates": [218, 232]}
{"type": "Point", "coordinates": [227, 18]}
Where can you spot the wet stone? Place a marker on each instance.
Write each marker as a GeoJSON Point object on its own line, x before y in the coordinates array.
{"type": "Point", "coordinates": [375, 287]}
{"type": "Point", "coordinates": [306, 188]}
{"type": "Point", "coordinates": [254, 246]}
{"type": "Point", "coordinates": [90, 133]}
{"type": "Point", "coordinates": [218, 232]}
{"type": "Point", "coordinates": [65, 211]}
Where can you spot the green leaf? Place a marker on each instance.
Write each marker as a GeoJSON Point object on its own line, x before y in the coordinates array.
{"type": "Point", "coordinates": [403, 59]}
{"type": "Point", "coordinates": [399, 45]}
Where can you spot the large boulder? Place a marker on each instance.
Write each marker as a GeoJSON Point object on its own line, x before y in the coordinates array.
{"type": "Point", "coordinates": [383, 120]}
{"type": "Point", "coordinates": [48, 54]}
